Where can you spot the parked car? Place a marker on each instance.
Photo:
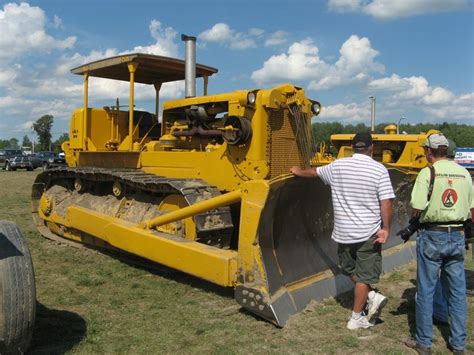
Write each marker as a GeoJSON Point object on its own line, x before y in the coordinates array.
{"type": "Point", "coordinates": [47, 160]}
{"type": "Point", "coordinates": [7, 155]}
{"type": "Point", "coordinates": [20, 162]}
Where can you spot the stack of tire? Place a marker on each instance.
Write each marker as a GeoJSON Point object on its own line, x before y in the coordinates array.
{"type": "Point", "coordinates": [17, 291]}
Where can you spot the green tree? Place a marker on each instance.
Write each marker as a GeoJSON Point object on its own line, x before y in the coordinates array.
{"type": "Point", "coordinates": [58, 142]}
{"type": "Point", "coordinates": [13, 143]}
{"type": "Point", "coordinates": [4, 143]}
{"type": "Point", "coordinates": [26, 141]}
{"type": "Point", "coordinates": [42, 128]}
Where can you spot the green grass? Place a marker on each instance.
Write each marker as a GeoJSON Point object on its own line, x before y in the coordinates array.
{"type": "Point", "coordinates": [89, 302]}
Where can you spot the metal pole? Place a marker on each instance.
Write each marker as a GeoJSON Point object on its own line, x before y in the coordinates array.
{"type": "Point", "coordinates": [372, 116]}
{"type": "Point", "coordinates": [157, 99]}
{"type": "Point", "coordinates": [132, 67]}
{"type": "Point", "coordinates": [398, 124]}
{"type": "Point", "coordinates": [206, 80]}
{"type": "Point", "coordinates": [85, 116]}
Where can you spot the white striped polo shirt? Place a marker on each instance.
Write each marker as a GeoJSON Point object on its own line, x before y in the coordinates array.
{"type": "Point", "coordinates": [358, 184]}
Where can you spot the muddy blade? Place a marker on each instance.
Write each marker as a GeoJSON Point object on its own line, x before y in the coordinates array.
{"type": "Point", "coordinates": [299, 257]}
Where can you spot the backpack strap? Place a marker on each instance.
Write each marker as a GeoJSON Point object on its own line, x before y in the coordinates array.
{"type": "Point", "coordinates": [432, 178]}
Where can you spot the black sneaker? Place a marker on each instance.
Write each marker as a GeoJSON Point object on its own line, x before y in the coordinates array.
{"type": "Point", "coordinates": [411, 343]}
{"type": "Point", "coordinates": [455, 351]}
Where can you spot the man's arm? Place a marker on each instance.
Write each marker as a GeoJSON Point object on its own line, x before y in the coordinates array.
{"type": "Point", "coordinates": [386, 212]}
{"type": "Point", "coordinates": [415, 213]}
{"type": "Point", "coordinates": [297, 171]}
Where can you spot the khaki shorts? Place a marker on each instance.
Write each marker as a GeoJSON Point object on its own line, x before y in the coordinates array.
{"type": "Point", "coordinates": [363, 260]}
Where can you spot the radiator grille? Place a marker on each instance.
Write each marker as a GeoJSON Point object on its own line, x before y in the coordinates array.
{"type": "Point", "coordinates": [284, 147]}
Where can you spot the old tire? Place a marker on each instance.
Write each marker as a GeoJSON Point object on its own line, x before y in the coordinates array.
{"type": "Point", "coordinates": [17, 291]}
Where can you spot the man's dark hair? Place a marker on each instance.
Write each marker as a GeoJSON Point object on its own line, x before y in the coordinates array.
{"type": "Point", "coordinates": [361, 150]}
{"type": "Point", "coordinates": [441, 152]}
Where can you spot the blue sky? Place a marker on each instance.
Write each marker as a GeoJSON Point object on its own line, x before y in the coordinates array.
{"type": "Point", "coordinates": [415, 56]}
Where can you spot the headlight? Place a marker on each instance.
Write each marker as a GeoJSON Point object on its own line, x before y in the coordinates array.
{"type": "Point", "coordinates": [316, 108]}
{"type": "Point", "coordinates": [51, 160]}
{"type": "Point", "coordinates": [251, 97]}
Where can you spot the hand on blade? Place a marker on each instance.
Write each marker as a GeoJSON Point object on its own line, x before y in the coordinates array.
{"type": "Point", "coordinates": [295, 170]}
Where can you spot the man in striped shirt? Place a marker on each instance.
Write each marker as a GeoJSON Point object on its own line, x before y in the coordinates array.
{"type": "Point", "coordinates": [362, 201]}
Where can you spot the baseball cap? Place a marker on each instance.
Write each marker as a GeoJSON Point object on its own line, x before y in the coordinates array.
{"type": "Point", "coordinates": [362, 140]}
{"type": "Point", "coordinates": [435, 140]}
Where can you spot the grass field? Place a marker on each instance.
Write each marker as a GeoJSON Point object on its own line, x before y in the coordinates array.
{"type": "Point", "coordinates": [89, 302]}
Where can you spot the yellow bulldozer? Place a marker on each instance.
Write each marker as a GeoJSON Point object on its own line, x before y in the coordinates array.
{"type": "Point", "coordinates": [205, 188]}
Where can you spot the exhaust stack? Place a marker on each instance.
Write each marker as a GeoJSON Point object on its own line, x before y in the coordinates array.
{"type": "Point", "coordinates": [190, 66]}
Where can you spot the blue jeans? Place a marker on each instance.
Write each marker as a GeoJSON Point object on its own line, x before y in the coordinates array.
{"type": "Point", "coordinates": [440, 300]}
{"type": "Point", "coordinates": [441, 251]}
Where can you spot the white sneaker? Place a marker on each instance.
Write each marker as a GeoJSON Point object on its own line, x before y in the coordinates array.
{"type": "Point", "coordinates": [375, 302]}
{"type": "Point", "coordinates": [362, 322]}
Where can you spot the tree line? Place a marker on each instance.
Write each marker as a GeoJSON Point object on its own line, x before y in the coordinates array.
{"type": "Point", "coordinates": [42, 128]}
{"type": "Point", "coordinates": [461, 134]}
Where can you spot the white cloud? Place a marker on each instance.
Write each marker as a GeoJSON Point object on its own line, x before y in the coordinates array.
{"type": "Point", "coordinates": [223, 34]}
{"type": "Point", "coordinates": [415, 91]}
{"type": "Point", "coordinates": [460, 108]}
{"type": "Point", "coordinates": [27, 93]}
{"type": "Point", "coordinates": [26, 125]}
{"type": "Point", "coordinates": [104, 89]}
{"type": "Point", "coordinates": [346, 112]}
{"type": "Point", "coordinates": [412, 88]}
{"type": "Point", "coordinates": [243, 43]}
{"type": "Point", "coordinates": [257, 32]}
{"type": "Point", "coordinates": [393, 83]}
{"type": "Point", "coordinates": [57, 22]}
{"type": "Point", "coordinates": [276, 38]}
{"type": "Point", "coordinates": [8, 101]}
{"type": "Point", "coordinates": [8, 75]}
{"type": "Point", "coordinates": [66, 63]}
{"type": "Point", "coordinates": [165, 41]}
{"type": "Point", "coordinates": [356, 62]}
{"type": "Point", "coordinates": [22, 29]}
{"type": "Point", "coordinates": [219, 33]}
{"type": "Point", "coordinates": [165, 45]}
{"type": "Point", "coordinates": [301, 62]}
{"type": "Point", "coordinates": [390, 9]}
{"type": "Point", "coordinates": [345, 5]}
{"type": "Point", "coordinates": [438, 95]}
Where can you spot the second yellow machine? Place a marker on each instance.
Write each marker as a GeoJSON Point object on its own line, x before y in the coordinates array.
{"type": "Point", "coordinates": [204, 190]}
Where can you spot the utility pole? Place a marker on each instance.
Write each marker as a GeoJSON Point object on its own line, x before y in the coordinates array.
{"type": "Point", "coordinates": [372, 116]}
{"type": "Point", "coordinates": [33, 141]}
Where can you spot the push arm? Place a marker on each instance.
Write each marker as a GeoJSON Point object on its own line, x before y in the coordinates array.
{"type": "Point", "coordinates": [297, 171]}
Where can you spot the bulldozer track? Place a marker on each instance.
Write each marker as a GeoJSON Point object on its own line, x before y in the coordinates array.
{"type": "Point", "coordinates": [217, 221]}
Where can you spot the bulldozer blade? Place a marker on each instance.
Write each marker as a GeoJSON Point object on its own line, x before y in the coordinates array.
{"type": "Point", "coordinates": [299, 257]}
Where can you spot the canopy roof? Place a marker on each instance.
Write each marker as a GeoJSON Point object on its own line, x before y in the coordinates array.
{"type": "Point", "coordinates": [151, 68]}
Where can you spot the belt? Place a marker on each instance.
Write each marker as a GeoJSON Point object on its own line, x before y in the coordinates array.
{"type": "Point", "coordinates": [445, 228]}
